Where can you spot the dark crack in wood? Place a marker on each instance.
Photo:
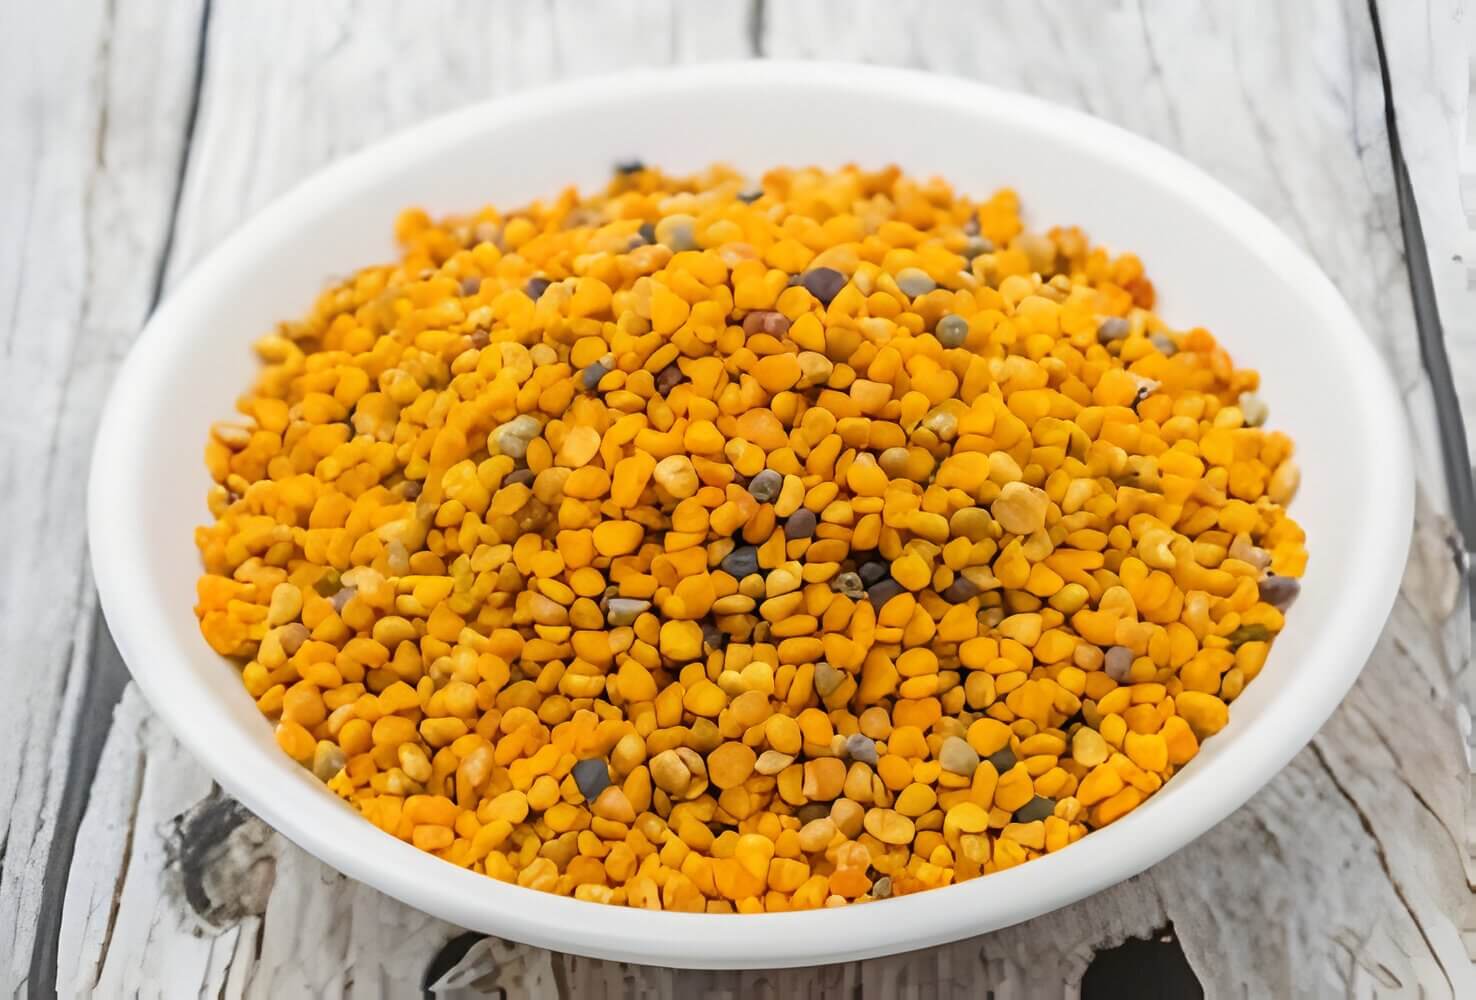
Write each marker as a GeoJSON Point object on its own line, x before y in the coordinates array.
{"type": "Point", "coordinates": [1383, 858]}
{"type": "Point", "coordinates": [1151, 968]}
{"type": "Point", "coordinates": [444, 960]}
{"type": "Point", "coordinates": [103, 686]}
{"type": "Point", "coordinates": [1433, 355]}
{"type": "Point", "coordinates": [222, 860]}
{"type": "Point", "coordinates": [757, 24]}
{"type": "Point", "coordinates": [121, 879]}
{"type": "Point", "coordinates": [192, 117]}
{"type": "Point", "coordinates": [106, 676]}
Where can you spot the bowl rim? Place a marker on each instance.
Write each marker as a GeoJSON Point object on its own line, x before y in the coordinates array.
{"type": "Point", "coordinates": [319, 824]}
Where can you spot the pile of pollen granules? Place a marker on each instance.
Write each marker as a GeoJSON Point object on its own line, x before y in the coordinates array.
{"type": "Point", "coordinates": [707, 547]}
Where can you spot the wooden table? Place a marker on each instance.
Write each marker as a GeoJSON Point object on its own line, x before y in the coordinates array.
{"type": "Point", "coordinates": [139, 133]}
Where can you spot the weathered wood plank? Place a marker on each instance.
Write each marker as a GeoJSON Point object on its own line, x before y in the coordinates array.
{"type": "Point", "coordinates": [1429, 47]}
{"type": "Point", "coordinates": [91, 134]}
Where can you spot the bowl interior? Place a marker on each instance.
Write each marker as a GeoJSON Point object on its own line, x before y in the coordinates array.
{"type": "Point", "coordinates": [1214, 261]}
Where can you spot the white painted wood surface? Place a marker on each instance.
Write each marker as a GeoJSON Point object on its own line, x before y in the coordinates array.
{"type": "Point", "coordinates": [1430, 46]}
{"type": "Point", "coordinates": [1350, 875]}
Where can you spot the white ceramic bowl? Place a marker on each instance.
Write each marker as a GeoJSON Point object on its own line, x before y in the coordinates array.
{"type": "Point", "coordinates": [1215, 260]}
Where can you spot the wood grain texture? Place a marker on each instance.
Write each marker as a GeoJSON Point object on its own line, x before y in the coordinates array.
{"type": "Point", "coordinates": [92, 139]}
{"type": "Point", "coordinates": [1348, 875]}
{"type": "Point", "coordinates": [1429, 45]}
